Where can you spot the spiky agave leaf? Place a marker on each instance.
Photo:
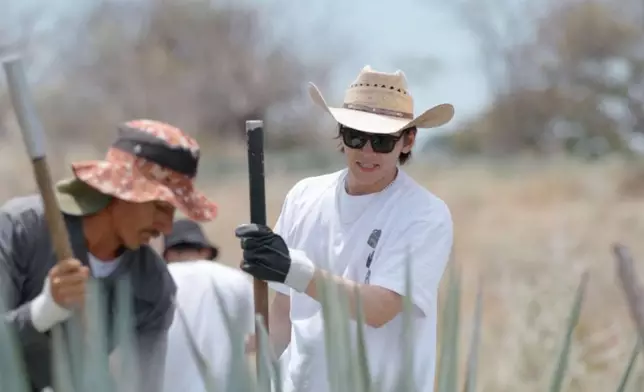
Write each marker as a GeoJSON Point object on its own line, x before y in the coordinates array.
{"type": "Point", "coordinates": [360, 363]}
{"type": "Point", "coordinates": [263, 362]}
{"type": "Point", "coordinates": [448, 356]}
{"type": "Point", "coordinates": [562, 363]}
{"type": "Point", "coordinates": [73, 337]}
{"type": "Point", "coordinates": [631, 286]}
{"type": "Point", "coordinates": [125, 357]}
{"type": "Point", "coordinates": [472, 357]}
{"type": "Point", "coordinates": [405, 380]}
{"type": "Point", "coordinates": [346, 357]}
{"type": "Point", "coordinates": [95, 373]}
{"type": "Point", "coordinates": [269, 370]}
{"type": "Point", "coordinates": [345, 342]}
{"type": "Point", "coordinates": [623, 382]}
{"type": "Point", "coordinates": [276, 380]}
{"type": "Point", "coordinates": [12, 367]}
{"type": "Point", "coordinates": [635, 299]}
{"type": "Point", "coordinates": [333, 335]}
{"type": "Point", "coordinates": [239, 376]}
{"type": "Point", "coordinates": [203, 366]}
{"type": "Point", "coordinates": [62, 378]}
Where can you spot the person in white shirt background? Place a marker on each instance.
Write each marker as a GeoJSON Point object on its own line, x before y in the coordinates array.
{"type": "Point", "coordinates": [191, 261]}
{"type": "Point", "coordinates": [358, 227]}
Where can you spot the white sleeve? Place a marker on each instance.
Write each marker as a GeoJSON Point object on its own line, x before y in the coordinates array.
{"type": "Point", "coordinates": [282, 227]}
{"type": "Point", "coordinates": [427, 246]}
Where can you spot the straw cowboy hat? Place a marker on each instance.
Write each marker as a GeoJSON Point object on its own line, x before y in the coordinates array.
{"type": "Point", "coordinates": [149, 161]}
{"type": "Point", "coordinates": [379, 102]}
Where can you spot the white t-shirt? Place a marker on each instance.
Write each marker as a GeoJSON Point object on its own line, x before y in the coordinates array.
{"type": "Point", "coordinates": [196, 299]}
{"type": "Point", "coordinates": [100, 268]}
{"type": "Point", "coordinates": [339, 232]}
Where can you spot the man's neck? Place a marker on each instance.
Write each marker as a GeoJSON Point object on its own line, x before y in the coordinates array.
{"type": "Point", "coordinates": [100, 239]}
{"type": "Point", "coordinates": [356, 189]}
{"type": "Point", "coordinates": [183, 261]}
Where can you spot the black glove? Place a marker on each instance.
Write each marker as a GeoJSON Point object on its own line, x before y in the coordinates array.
{"type": "Point", "coordinates": [266, 257]}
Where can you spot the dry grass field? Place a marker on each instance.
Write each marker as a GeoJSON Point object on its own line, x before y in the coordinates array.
{"type": "Point", "coordinates": [529, 229]}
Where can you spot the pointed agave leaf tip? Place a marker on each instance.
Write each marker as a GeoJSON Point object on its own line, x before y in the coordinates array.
{"type": "Point", "coordinates": [472, 358]}
{"type": "Point", "coordinates": [557, 382]}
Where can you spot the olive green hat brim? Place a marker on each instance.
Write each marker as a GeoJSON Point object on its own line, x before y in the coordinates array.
{"type": "Point", "coordinates": [77, 198]}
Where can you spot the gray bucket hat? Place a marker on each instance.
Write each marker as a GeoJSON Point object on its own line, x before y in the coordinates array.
{"type": "Point", "coordinates": [77, 198]}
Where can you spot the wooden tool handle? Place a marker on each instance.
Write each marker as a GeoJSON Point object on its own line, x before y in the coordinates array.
{"type": "Point", "coordinates": [34, 138]}
{"type": "Point", "coordinates": [55, 221]}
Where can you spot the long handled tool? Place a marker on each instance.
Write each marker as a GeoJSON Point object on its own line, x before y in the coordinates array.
{"type": "Point", "coordinates": [34, 139]}
{"type": "Point", "coordinates": [256, 178]}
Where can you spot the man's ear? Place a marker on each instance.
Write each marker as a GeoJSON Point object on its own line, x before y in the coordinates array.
{"type": "Point", "coordinates": [213, 253]}
{"type": "Point", "coordinates": [408, 140]}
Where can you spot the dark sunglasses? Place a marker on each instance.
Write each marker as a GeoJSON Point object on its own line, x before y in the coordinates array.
{"type": "Point", "coordinates": [380, 143]}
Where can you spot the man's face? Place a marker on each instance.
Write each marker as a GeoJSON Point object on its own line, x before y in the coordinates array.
{"type": "Point", "coordinates": [372, 157]}
{"type": "Point", "coordinates": [137, 223]}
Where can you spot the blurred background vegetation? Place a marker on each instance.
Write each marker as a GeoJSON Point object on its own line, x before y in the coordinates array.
{"type": "Point", "coordinates": [542, 165]}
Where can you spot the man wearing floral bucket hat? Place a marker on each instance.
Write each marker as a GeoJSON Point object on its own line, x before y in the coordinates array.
{"type": "Point", "coordinates": [357, 228]}
{"type": "Point", "coordinates": [112, 209]}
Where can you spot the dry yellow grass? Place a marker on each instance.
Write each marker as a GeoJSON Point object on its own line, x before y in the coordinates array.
{"type": "Point", "coordinates": [529, 229]}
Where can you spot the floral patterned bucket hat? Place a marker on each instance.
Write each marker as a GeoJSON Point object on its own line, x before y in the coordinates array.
{"type": "Point", "coordinates": [149, 161]}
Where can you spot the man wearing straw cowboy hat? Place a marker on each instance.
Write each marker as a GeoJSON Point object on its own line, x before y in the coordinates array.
{"type": "Point", "coordinates": [112, 209]}
{"type": "Point", "coordinates": [357, 227]}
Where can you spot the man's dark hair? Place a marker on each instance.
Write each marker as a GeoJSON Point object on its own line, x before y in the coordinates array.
{"type": "Point", "coordinates": [185, 246]}
{"type": "Point", "coordinates": [403, 158]}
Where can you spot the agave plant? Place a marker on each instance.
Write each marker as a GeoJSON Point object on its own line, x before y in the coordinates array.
{"type": "Point", "coordinates": [447, 378]}
{"type": "Point", "coordinates": [83, 364]}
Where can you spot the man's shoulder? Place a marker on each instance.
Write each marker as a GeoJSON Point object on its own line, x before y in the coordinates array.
{"type": "Point", "coordinates": [208, 275]}
{"type": "Point", "coordinates": [22, 207]}
{"type": "Point", "coordinates": [24, 215]}
{"type": "Point", "coordinates": [314, 185]}
{"type": "Point", "coordinates": [153, 288]}
{"type": "Point", "coordinates": [151, 275]}
{"type": "Point", "coordinates": [424, 203]}
{"type": "Point", "coordinates": [207, 270]}
{"type": "Point", "coordinates": [151, 257]}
